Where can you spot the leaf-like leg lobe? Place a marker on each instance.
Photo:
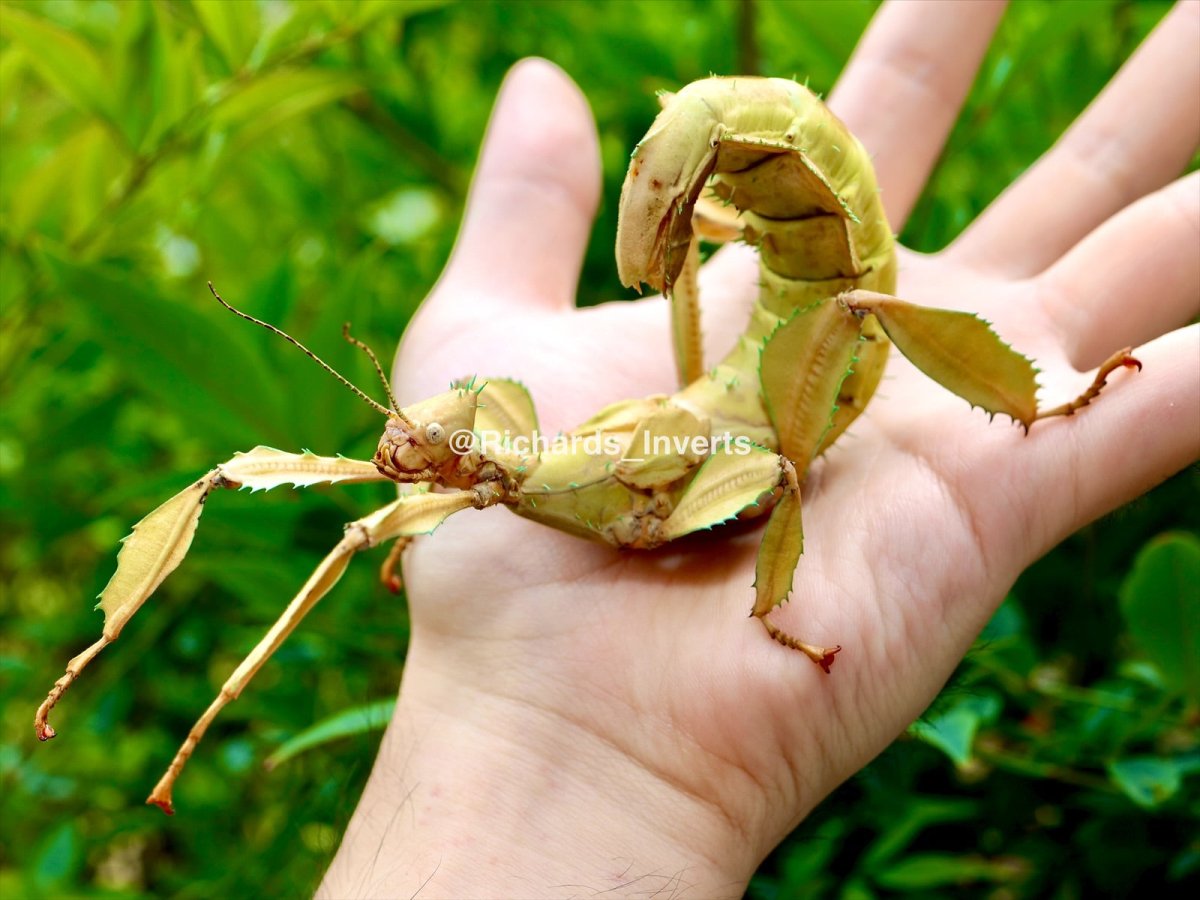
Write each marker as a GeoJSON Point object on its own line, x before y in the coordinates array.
{"type": "Point", "coordinates": [959, 351]}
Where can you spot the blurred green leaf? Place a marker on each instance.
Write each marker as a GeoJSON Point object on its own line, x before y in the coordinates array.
{"type": "Point", "coordinates": [68, 189]}
{"type": "Point", "coordinates": [232, 27]}
{"type": "Point", "coordinates": [921, 813]}
{"type": "Point", "coordinates": [357, 720]}
{"type": "Point", "coordinates": [952, 730]}
{"type": "Point", "coordinates": [250, 573]}
{"type": "Point", "coordinates": [1186, 864]}
{"type": "Point", "coordinates": [274, 98]}
{"type": "Point", "coordinates": [1146, 780]}
{"type": "Point", "coordinates": [856, 889]}
{"type": "Point", "coordinates": [364, 12]}
{"type": "Point", "coordinates": [175, 59]}
{"type": "Point", "coordinates": [66, 61]}
{"type": "Point", "coordinates": [1007, 622]}
{"type": "Point", "coordinates": [181, 356]}
{"type": "Point", "coordinates": [930, 870]}
{"type": "Point", "coordinates": [1161, 602]}
{"type": "Point", "coordinates": [59, 857]}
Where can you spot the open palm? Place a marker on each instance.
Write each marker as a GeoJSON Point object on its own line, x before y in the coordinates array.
{"type": "Point", "coordinates": [643, 668]}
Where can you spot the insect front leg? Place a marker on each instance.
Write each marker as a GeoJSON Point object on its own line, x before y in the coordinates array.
{"type": "Point", "coordinates": [410, 515]}
{"type": "Point", "coordinates": [160, 541]}
{"type": "Point", "coordinates": [960, 351]}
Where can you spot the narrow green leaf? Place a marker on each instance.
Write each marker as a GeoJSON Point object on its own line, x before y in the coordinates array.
{"type": "Point", "coordinates": [12, 65]}
{"type": "Point", "coordinates": [273, 99]}
{"type": "Point", "coordinates": [66, 61]}
{"type": "Point", "coordinates": [358, 720]}
{"type": "Point", "coordinates": [930, 870]}
{"type": "Point", "coordinates": [85, 162]}
{"type": "Point", "coordinates": [916, 817]}
{"type": "Point", "coordinates": [95, 166]}
{"type": "Point", "coordinates": [175, 61]}
{"type": "Point", "coordinates": [195, 366]}
{"type": "Point", "coordinates": [1161, 603]}
{"type": "Point", "coordinates": [232, 27]}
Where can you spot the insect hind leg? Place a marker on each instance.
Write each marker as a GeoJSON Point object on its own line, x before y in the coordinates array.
{"type": "Point", "coordinates": [408, 516]}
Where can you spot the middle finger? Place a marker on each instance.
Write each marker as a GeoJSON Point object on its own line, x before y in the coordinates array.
{"type": "Point", "coordinates": [1137, 135]}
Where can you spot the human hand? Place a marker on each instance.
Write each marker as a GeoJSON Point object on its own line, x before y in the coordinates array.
{"type": "Point", "coordinates": [573, 717]}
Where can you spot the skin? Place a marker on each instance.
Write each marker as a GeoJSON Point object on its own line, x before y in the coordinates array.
{"type": "Point", "coordinates": [574, 719]}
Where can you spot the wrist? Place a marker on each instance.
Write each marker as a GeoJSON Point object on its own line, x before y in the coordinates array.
{"type": "Point", "coordinates": [482, 794]}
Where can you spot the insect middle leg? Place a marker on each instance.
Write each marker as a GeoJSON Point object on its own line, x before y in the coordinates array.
{"type": "Point", "coordinates": [389, 573]}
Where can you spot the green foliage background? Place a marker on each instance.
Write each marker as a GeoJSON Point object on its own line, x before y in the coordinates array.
{"type": "Point", "coordinates": [311, 158]}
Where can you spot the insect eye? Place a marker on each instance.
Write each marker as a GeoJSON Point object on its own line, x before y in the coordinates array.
{"type": "Point", "coordinates": [435, 433]}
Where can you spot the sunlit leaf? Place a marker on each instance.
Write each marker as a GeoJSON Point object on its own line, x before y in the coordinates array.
{"type": "Point", "coordinates": [232, 27]}
{"type": "Point", "coordinates": [276, 97]}
{"type": "Point", "coordinates": [66, 61]}
{"type": "Point", "coordinates": [44, 198]}
{"type": "Point", "coordinates": [176, 65]}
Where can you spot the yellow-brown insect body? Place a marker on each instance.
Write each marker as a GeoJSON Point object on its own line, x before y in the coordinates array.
{"type": "Point", "coordinates": [806, 195]}
{"type": "Point", "coordinates": [734, 441]}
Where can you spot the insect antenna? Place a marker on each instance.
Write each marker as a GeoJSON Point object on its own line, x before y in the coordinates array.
{"type": "Point", "coordinates": [324, 365]}
{"type": "Point", "coordinates": [387, 388]}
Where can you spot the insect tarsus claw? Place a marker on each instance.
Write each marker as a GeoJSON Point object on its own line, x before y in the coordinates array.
{"type": "Point", "coordinates": [826, 660]}
{"type": "Point", "coordinates": [165, 805]}
{"type": "Point", "coordinates": [388, 573]}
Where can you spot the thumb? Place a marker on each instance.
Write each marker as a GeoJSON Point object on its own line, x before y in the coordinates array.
{"type": "Point", "coordinates": [533, 197]}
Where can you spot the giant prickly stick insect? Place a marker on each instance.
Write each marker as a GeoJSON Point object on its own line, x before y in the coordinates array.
{"type": "Point", "coordinates": [736, 441]}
